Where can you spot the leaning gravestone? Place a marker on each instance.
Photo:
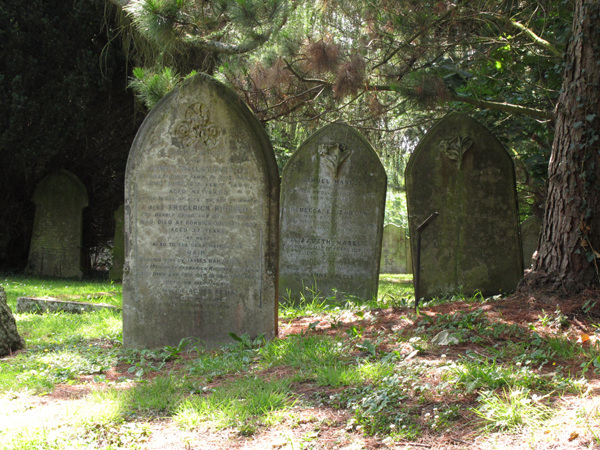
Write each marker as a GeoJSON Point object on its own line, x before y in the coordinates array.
{"type": "Point", "coordinates": [332, 207]}
{"type": "Point", "coordinates": [118, 253]}
{"type": "Point", "coordinates": [10, 340]}
{"type": "Point", "coordinates": [462, 172]}
{"type": "Point", "coordinates": [201, 222]}
{"type": "Point", "coordinates": [395, 250]}
{"type": "Point", "coordinates": [530, 235]}
{"type": "Point", "coordinates": [57, 228]}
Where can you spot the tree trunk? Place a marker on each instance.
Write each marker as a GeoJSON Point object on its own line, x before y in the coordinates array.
{"type": "Point", "coordinates": [9, 336]}
{"type": "Point", "coordinates": [570, 241]}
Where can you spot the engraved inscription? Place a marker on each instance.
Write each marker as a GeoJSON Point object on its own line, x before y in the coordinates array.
{"type": "Point", "coordinates": [185, 215]}
{"type": "Point", "coordinates": [196, 127]}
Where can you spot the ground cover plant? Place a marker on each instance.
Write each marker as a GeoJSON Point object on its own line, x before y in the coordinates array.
{"type": "Point", "coordinates": [462, 372]}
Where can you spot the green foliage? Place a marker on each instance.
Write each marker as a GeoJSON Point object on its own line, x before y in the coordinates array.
{"type": "Point", "coordinates": [395, 209]}
{"type": "Point", "coordinates": [150, 86]}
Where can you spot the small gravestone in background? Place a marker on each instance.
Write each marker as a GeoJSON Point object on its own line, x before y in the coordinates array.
{"type": "Point", "coordinates": [530, 235]}
{"type": "Point", "coordinates": [462, 172]}
{"type": "Point", "coordinates": [201, 222]}
{"type": "Point", "coordinates": [118, 254]}
{"type": "Point", "coordinates": [395, 250]}
{"type": "Point", "coordinates": [332, 207]}
{"type": "Point", "coordinates": [10, 340]}
{"type": "Point", "coordinates": [57, 229]}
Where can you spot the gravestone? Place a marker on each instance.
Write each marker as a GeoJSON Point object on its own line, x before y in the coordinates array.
{"type": "Point", "coordinates": [395, 250]}
{"type": "Point", "coordinates": [118, 253]}
{"type": "Point", "coordinates": [461, 171]}
{"type": "Point", "coordinates": [201, 222]}
{"type": "Point", "coordinates": [10, 339]}
{"type": "Point", "coordinates": [530, 235]}
{"type": "Point", "coordinates": [57, 228]}
{"type": "Point", "coordinates": [332, 207]}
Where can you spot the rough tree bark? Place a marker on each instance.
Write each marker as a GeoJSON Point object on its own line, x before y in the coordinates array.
{"type": "Point", "coordinates": [9, 336]}
{"type": "Point", "coordinates": [570, 241]}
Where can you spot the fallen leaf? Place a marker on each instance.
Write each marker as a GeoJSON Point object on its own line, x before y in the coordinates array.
{"type": "Point", "coordinates": [574, 435]}
{"type": "Point", "coordinates": [583, 338]}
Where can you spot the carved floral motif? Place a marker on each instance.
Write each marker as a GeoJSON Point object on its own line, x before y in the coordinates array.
{"type": "Point", "coordinates": [197, 127]}
{"type": "Point", "coordinates": [333, 156]}
{"type": "Point", "coordinates": [456, 147]}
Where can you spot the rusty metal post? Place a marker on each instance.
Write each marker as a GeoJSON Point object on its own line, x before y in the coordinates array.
{"type": "Point", "coordinates": [417, 268]}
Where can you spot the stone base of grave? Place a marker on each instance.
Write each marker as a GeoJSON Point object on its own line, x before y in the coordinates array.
{"type": "Point", "coordinates": [43, 305]}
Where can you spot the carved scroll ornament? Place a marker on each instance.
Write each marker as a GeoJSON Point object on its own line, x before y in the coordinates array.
{"type": "Point", "coordinates": [197, 127]}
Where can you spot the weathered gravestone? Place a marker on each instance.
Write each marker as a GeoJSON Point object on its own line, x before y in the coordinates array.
{"type": "Point", "coordinates": [332, 207]}
{"type": "Point", "coordinates": [10, 340]}
{"type": "Point", "coordinates": [57, 228]}
{"type": "Point", "coordinates": [201, 222]}
{"type": "Point", "coordinates": [118, 253]}
{"type": "Point", "coordinates": [462, 172]}
{"type": "Point", "coordinates": [395, 250]}
{"type": "Point", "coordinates": [530, 235]}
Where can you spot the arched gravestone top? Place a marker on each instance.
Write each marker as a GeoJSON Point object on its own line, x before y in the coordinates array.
{"type": "Point", "coordinates": [59, 187]}
{"type": "Point", "coordinates": [201, 222]}
{"type": "Point", "coordinates": [530, 235]}
{"type": "Point", "coordinates": [332, 208]}
{"type": "Point", "coordinates": [461, 171]}
{"type": "Point", "coordinates": [56, 239]}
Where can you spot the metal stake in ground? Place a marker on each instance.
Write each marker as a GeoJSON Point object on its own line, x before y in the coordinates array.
{"type": "Point", "coordinates": [417, 268]}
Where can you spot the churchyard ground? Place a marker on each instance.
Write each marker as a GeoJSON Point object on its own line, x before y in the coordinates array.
{"type": "Point", "coordinates": [463, 373]}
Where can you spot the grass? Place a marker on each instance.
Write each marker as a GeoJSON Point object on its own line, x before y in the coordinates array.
{"type": "Point", "coordinates": [364, 369]}
{"type": "Point", "coordinates": [246, 403]}
{"type": "Point", "coordinates": [69, 290]}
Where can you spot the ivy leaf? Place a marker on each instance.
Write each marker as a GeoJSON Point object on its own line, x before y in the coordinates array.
{"type": "Point", "coordinates": [590, 117]}
{"type": "Point", "coordinates": [235, 337]}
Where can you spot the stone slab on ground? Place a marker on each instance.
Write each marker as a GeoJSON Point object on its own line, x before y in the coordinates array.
{"type": "Point", "coordinates": [42, 305]}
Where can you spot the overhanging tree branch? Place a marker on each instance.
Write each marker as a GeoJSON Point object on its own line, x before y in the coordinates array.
{"type": "Point", "coordinates": [537, 40]}
{"type": "Point", "coordinates": [501, 106]}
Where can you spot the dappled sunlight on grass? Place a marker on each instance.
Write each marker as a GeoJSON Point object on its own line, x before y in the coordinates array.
{"type": "Point", "coordinates": [375, 371]}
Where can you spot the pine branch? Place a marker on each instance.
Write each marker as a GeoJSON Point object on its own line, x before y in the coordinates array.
{"type": "Point", "coordinates": [483, 104]}
{"type": "Point", "coordinates": [537, 40]}
{"type": "Point", "coordinates": [502, 106]}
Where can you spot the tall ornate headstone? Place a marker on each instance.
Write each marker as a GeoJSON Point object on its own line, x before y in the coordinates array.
{"type": "Point", "coordinates": [201, 222]}
{"type": "Point", "coordinates": [530, 235]}
{"type": "Point", "coordinates": [57, 228]}
{"type": "Point", "coordinates": [461, 171]}
{"type": "Point", "coordinates": [118, 253]}
{"type": "Point", "coordinates": [332, 208]}
{"type": "Point", "coordinates": [395, 250]}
